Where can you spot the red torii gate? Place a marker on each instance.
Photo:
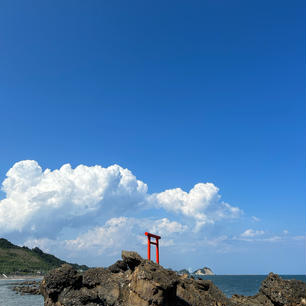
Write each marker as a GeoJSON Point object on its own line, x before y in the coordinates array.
{"type": "Point", "coordinates": [155, 243]}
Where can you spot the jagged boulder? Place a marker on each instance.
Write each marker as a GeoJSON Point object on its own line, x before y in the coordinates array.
{"type": "Point", "coordinates": [138, 282]}
{"type": "Point", "coordinates": [59, 280]}
{"type": "Point", "coordinates": [131, 259]}
{"type": "Point", "coordinates": [27, 287]}
{"type": "Point", "coordinates": [94, 287]}
{"type": "Point", "coordinates": [275, 291]}
{"type": "Point", "coordinates": [130, 282]}
{"type": "Point", "coordinates": [199, 293]}
{"type": "Point", "coordinates": [256, 300]}
{"type": "Point", "coordinates": [283, 292]}
{"type": "Point", "coordinates": [150, 284]}
{"type": "Point", "coordinates": [118, 266]}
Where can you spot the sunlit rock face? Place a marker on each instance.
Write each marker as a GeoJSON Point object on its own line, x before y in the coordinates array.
{"type": "Point", "coordinates": [134, 281]}
{"type": "Point", "coordinates": [275, 291]}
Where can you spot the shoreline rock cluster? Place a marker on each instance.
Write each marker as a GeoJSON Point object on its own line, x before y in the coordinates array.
{"type": "Point", "coordinates": [27, 287]}
{"type": "Point", "coordinates": [134, 281]}
{"type": "Point", "coordinates": [275, 291]}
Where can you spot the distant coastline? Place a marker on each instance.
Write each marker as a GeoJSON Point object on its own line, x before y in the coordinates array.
{"type": "Point", "coordinates": [21, 277]}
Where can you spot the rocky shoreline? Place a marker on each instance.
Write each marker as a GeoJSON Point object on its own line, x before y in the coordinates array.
{"type": "Point", "coordinates": [21, 277]}
{"type": "Point", "coordinates": [134, 281]}
{"type": "Point", "coordinates": [28, 287]}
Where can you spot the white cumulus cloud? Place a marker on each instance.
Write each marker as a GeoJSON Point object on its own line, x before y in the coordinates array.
{"type": "Point", "coordinates": [47, 201]}
{"type": "Point", "coordinates": [252, 233]}
{"type": "Point", "coordinates": [166, 227]}
{"type": "Point", "coordinates": [92, 210]}
{"type": "Point", "coordinates": [112, 235]}
{"type": "Point", "coordinates": [202, 202]}
{"type": "Point", "coordinates": [127, 232]}
{"type": "Point", "coordinates": [44, 202]}
{"type": "Point", "coordinates": [116, 234]}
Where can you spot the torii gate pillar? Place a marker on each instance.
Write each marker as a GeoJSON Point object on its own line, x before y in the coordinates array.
{"type": "Point", "coordinates": [155, 243]}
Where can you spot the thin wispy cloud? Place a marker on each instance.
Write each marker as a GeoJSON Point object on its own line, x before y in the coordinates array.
{"type": "Point", "coordinates": [255, 219]}
{"type": "Point", "coordinates": [252, 233]}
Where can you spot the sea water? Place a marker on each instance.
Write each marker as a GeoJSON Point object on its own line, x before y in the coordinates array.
{"type": "Point", "coordinates": [243, 284]}
{"type": "Point", "coordinates": [229, 284]}
{"type": "Point", "coordinates": [8, 297]}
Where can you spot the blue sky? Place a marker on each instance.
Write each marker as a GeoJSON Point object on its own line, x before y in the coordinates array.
{"type": "Point", "coordinates": [178, 93]}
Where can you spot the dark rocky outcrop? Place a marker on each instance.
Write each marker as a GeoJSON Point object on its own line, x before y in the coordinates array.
{"type": "Point", "coordinates": [150, 284]}
{"type": "Point", "coordinates": [27, 287]}
{"type": "Point", "coordinates": [283, 292]}
{"type": "Point", "coordinates": [256, 300]}
{"type": "Point", "coordinates": [199, 293]}
{"type": "Point", "coordinates": [118, 266]}
{"type": "Point", "coordinates": [132, 259]}
{"type": "Point", "coordinates": [275, 291]}
{"type": "Point", "coordinates": [134, 281]}
{"type": "Point", "coordinates": [130, 282]}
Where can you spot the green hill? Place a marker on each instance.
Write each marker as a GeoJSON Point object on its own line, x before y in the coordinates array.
{"type": "Point", "coordinates": [22, 260]}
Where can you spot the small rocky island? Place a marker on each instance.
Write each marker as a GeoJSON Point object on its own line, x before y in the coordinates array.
{"type": "Point", "coordinates": [198, 272]}
{"type": "Point", "coordinates": [134, 281]}
{"type": "Point", "coordinates": [204, 271]}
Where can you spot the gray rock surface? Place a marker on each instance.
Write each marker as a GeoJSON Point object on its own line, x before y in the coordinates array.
{"type": "Point", "coordinates": [132, 259]}
{"type": "Point", "coordinates": [130, 282]}
{"type": "Point", "coordinates": [118, 266]}
{"type": "Point", "coordinates": [199, 293]}
{"type": "Point", "coordinates": [150, 284]}
{"type": "Point", "coordinates": [204, 271]}
{"type": "Point", "coordinates": [275, 291]}
{"type": "Point", "coordinates": [138, 282]}
{"type": "Point", "coordinates": [256, 300]}
{"type": "Point", "coordinates": [283, 292]}
{"type": "Point", "coordinates": [27, 287]}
